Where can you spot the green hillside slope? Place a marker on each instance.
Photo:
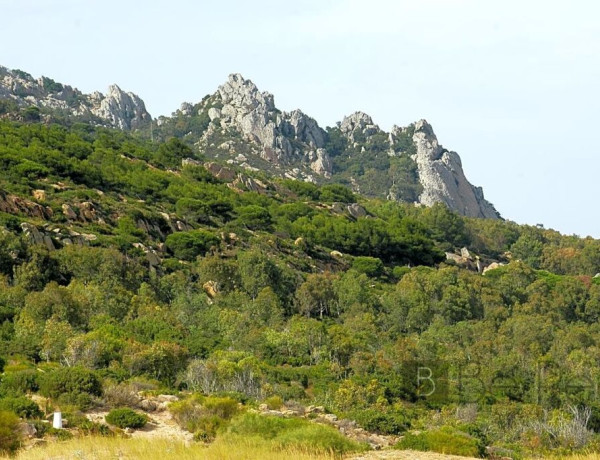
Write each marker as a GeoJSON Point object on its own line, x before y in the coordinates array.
{"type": "Point", "coordinates": [133, 260]}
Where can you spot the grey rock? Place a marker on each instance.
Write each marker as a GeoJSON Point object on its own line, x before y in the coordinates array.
{"type": "Point", "coordinates": [443, 179]}
{"type": "Point", "coordinates": [32, 232]}
{"type": "Point", "coordinates": [214, 113]}
{"type": "Point", "coordinates": [492, 266]}
{"type": "Point", "coordinates": [464, 252]}
{"type": "Point", "coordinates": [49, 243]}
{"type": "Point", "coordinates": [117, 109]}
{"type": "Point", "coordinates": [68, 212]}
{"type": "Point", "coordinates": [148, 405]}
{"type": "Point", "coordinates": [276, 134]}
{"type": "Point", "coordinates": [338, 208]}
{"type": "Point", "coordinates": [186, 108]}
{"type": "Point", "coordinates": [122, 110]}
{"type": "Point", "coordinates": [27, 430]}
{"type": "Point", "coordinates": [358, 122]}
{"type": "Point", "coordinates": [356, 210]}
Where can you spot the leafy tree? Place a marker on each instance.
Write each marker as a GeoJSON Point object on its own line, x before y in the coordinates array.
{"type": "Point", "coordinates": [257, 271]}
{"type": "Point", "coordinates": [529, 248]}
{"type": "Point", "coordinates": [170, 153]}
{"type": "Point", "coordinates": [189, 245]}
{"type": "Point", "coordinates": [370, 266]}
{"type": "Point", "coordinates": [316, 296]}
{"type": "Point", "coordinates": [162, 361]}
{"type": "Point", "coordinates": [336, 192]}
{"type": "Point", "coordinates": [254, 217]}
{"type": "Point", "coordinates": [31, 114]}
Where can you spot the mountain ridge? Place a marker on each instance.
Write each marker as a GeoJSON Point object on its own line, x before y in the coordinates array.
{"type": "Point", "coordinates": [239, 124]}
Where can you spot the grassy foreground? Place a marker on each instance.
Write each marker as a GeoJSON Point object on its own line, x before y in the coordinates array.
{"type": "Point", "coordinates": [580, 457]}
{"type": "Point", "coordinates": [102, 448]}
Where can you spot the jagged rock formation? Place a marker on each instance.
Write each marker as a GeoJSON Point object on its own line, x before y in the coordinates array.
{"type": "Point", "coordinates": [117, 108]}
{"type": "Point", "coordinates": [443, 179]}
{"type": "Point", "coordinates": [240, 125]}
{"type": "Point", "coordinates": [358, 122]}
{"type": "Point", "coordinates": [285, 140]}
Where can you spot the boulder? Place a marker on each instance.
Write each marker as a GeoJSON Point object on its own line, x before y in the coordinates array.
{"type": "Point", "coordinates": [211, 288]}
{"type": "Point", "coordinates": [69, 212]}
{"type": "Point", "coordinates": [167, 398]}
{"type": "Point", "coordinates": [492, 266]}
{"type": "Point", "coordinates": [32, 233]}
{"type": "Point", "coordinates": [214, 113]}
{"type": "Point", "coordinates": [87, 211]}
{"type": "Point", "coordinates": [356, 210]}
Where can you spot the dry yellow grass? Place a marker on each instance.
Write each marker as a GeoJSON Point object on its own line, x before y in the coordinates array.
{"type": "Point", "coordinates": [98, 448]}
{"type": "Point", "coordinates": [580, 457]}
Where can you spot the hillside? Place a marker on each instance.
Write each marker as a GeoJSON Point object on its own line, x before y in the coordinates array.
{"type": "Point", "coordinates": [240, 125]}
{"type": "Point", "coordinates": [133, 267]}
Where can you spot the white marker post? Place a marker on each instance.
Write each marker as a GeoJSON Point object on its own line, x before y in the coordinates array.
{"type": "Point", "coordinates": [57, 420]}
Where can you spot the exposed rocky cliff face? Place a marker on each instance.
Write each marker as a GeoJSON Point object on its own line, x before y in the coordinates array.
{"type": "Point", "coordinates": [438, 171]}
{"type": "Point", "coordinates": [292, 142]}
{"type": "Point", "coordinates": [358, 123]}
{"type": "Point", "coordinates": [116, 108]}
{"type": "Point", "coordinates": [241, 125]}
{"type": "Point", "coordinates": [443, 179]}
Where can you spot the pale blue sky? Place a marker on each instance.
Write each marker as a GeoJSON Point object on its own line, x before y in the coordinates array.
{"type": "Point", "coordinates": [512, 86]}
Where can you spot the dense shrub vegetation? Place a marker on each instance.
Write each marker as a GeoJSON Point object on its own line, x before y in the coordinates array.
{"type": "Point", "coordinates": [119, 265]}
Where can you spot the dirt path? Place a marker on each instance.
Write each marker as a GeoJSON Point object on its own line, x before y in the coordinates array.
{"type": "Point", "coordinates": [160, 425]}
{"type": "Point", "coordinates": [406, 455]}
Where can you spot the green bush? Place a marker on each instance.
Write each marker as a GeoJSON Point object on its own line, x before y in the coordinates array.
{"type": "Point", "coordinates": [204, 416]}
{"type": "Point", "coordinates": [254, 217]}
{"type": "Point", "coordinates": [59, 434]}
{"type": "Point", "coordinates": [336, 192]}
{"type": "Point", "coordinates": [293, 432]}
{"type": "Point", "coordinates": [370, 266]}
{"type": "Point", "coordinates": [274, 402]}
{"type": "Point", "coordinates": [381, 421]}
{"type": "Point", "coordinates": [10, 436]}
{"type": "Point", "coordinates": [126, 418]}
{"type": "Point", "coordinates": [95, 429]}
{"type": "Point", "coordinates": [205, 428]}
{"type": "Point", "coordinates": [70, 380]}
{"type": "Point", "coordinates": [21, 405]}
{"type": "Point", "coordinates": [446, 440]}
{"type": "Point", "coordinates": [189, 245]}
{"type": "Point", "coordinates": [221, 407]}
{"type": "Point", "coordinates": [19, 382]}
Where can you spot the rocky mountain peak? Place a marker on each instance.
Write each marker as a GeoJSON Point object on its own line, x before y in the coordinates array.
{"type": "Point", "coordinates": [422, 126]}
{"type": "Point", "coordinates": [426, 140]}
{"type": "Point", "coordinates": [239, 124]}
{"type": "Point", "coordinates": [122, 109]}
{"type": "Point", "coordinates": [443, 179]}
{"type": "Point", "coordinates": [243, 94]}
{"type": "Point", "coordinates": [358, 122]}
{"type": "Point", "coordinates": [117, 109]}
{"type": "Point", "coordinates": [283, 139]}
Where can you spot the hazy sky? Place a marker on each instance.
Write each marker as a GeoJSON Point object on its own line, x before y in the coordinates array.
{"type": "Point", "coordinates": [512, 86]}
